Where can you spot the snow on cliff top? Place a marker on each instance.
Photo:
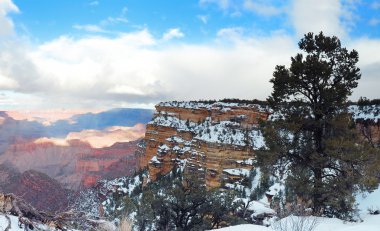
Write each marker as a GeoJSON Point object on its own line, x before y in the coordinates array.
{"type": "Point", "coordinates": [211, 104]}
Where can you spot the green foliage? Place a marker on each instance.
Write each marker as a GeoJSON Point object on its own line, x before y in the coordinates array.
{"type": "Point", "coordinates": [363, 101]}
{"type": "Point", "coordinates": [175, 202]}
{"type": "Point", "coordinates": [314, 140]}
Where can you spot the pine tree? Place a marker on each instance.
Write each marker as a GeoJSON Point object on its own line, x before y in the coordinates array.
{"type": "Point", "coordinates": [314, 138]}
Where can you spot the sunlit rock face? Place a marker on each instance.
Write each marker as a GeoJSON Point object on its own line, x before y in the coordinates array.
{"type": "Point", "coordinates": [216, 140]}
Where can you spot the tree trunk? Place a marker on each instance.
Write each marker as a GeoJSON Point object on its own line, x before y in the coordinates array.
{"type": "Point", "coordinates": [317, 194]}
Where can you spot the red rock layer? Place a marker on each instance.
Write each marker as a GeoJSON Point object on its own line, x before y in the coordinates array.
{"type": "Point", "coordinates": [207, 159]}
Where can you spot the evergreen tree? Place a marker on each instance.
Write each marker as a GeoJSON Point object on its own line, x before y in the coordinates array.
{"type": "Point", "coordinates": [313, 138]}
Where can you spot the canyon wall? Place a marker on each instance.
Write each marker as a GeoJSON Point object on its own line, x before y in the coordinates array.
{"type": "Point", "coordinates": [215, 140]}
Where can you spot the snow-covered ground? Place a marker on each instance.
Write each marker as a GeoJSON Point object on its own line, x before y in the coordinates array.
{"type": "Point", "coordinates": [14, 225]}
{"type": "Point", "coordinates": [368, 223]}
{"type": "Point", "coordinates": [14, 221]}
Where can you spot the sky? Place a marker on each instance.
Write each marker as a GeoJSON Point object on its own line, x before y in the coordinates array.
{"type": "Point", "coordinates": [69, 54]}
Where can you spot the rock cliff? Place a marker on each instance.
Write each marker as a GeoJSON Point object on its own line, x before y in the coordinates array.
{"type": "Point", "coordinates": [216, 140]}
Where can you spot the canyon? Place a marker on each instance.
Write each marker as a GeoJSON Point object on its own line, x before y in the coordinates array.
{"type": "Point", "coordinates": [74, 166]}
{"type": "Point", "coordinates": [46, 161]}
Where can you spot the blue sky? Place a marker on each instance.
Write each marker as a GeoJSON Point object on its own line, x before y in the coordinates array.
{"type": "Point", "coordinates": [199, 20]}
{"type": "Point", "coordinates": [135, 53]}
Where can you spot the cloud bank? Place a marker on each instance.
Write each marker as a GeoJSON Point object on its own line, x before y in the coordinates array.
{"type": "Point", "coordinates": [138, 69]}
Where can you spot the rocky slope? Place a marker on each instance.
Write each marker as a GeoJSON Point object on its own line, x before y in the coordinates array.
{"type": "Point", "coordinates": [38, 189]}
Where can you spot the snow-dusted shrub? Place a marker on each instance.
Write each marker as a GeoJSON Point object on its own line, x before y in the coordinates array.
{"type": "Point", "coordinates": [373, 211]}
{"type": "Point", "coordinates": [296, 223]}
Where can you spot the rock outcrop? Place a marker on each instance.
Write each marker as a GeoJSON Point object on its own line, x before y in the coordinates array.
{"type": "Point", "coordinates": [216, 140]}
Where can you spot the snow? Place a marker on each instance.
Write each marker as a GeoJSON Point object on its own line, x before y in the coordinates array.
{"type": "Point", "coordinates": [14, 221]}
{"type": "Point", "coordinates": [180, 150]}
{"type": "Point", "coordinates": [256, 207]}
{"type": "Point", "coordinates": [245, 228]}
{"type": "Point", "coordinates": [237, 171]}
{"type": "Point", "coordinates": [227, 132]}
{"type": "Point", "coordinates": [210, 105]}
{"type": "Point", "coordinates": [371, 112]}
{"type": "Point", "coordinates": [368, 201]}
{"type": "Point", "coordinates": [224, 132]}
{"type": "Point", "coordinates": [370, 223]}
{"type": "Point", "coordinates": [15, 227]}
{"type": "Point", "coordinates": [249, 161]}
{"type": "Point", "coordinates": [235, 186]}
{"type": "Point", "coordinates": [275, 189]}
{"type": "Point", "coordinates": [155, 160]}
{"type": "Point", "coordinates": [163, 148]}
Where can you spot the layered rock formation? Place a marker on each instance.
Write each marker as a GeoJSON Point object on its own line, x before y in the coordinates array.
{"type": "Point", "coordinates": [75, 165]}
{"type": "Point", "coordinates": [216, 140]}
{"type": "Point", "coordinates": [107, 163]}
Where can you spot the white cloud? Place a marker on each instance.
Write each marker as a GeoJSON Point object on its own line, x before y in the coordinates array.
{"type": "Point", "coordinates": [136, 68]}
{"type": "Point", "coordinates": [369, 63]}
{"type": "Point", "coordinates": [94, 3]}
{"type": "Point", "coordinates": [173, 33]}
{"type": "Point", "coordinates": [222, 4]}
{"type": "Point", "coordinates": [114, 20]}
{"type": "Point", "coordinates": [108, 72]}
{"type": "Point", "coordinates": [230, 33]}
{"type": "Point", "coordinates": [203, 18]}
{"type": "Point", "coordinates": [125, 89]}
{"type": "Point", "coordinates": [262, 8]}
{"type": "Point", "coordinates": [121, 18]}
{"type": "Point", "coordinates": [374, 22]}
{"type": "Point", "coordinates": [312, 16]}
{"type": "Point", "coordinates": [7, 83]}
{"type": "Point", "coordinates": [6, 24]}
{"type": "Point", "coordinates": [375, 5]}
{"type": "Point", "coordinates": [99, 138]}
{"type": "Point", "coordinates": [101, 71]}
{"type": "Point", "coordinates": [90, 28]}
